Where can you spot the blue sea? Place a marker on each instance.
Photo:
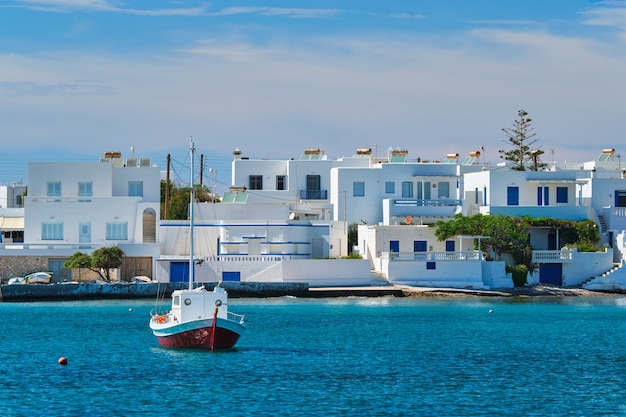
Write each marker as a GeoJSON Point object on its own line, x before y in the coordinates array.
{"type": "Point", "coordinates": [332, 357]}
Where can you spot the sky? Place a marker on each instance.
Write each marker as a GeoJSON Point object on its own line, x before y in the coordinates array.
{"type": "Point", "coordinates": [81, 77]}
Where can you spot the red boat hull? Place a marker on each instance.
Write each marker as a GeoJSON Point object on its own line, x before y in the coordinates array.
{"type": "Point", "coordinates": [200, 339]}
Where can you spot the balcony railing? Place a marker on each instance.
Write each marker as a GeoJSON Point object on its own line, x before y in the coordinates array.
{"type": "Point", "coordinates": [313, 194]}
{"type": "Point", "coordinates": [433, 256]}
{"type": "Point", "coordinates": [427, 202]}
{"type": "Point", "coordinates": [552, 256]}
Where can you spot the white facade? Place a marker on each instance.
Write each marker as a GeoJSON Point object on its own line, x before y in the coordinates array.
{"type": "Point", "coordinates": [91, 204]}
{"type": "Point", "coordinates": [291, 222]}
{"type": "Point", "coordinates": [11, 225]}
{"type": "Point", "coordinates": [257, 243]}
{"type": "Point", "coordinates": [12, 196]}
{"type": "Point", "coordinates": [387, 193]}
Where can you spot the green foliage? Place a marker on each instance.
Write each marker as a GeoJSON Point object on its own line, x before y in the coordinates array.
{"type": "Point", "coordinates": [588, 233]}
{"type": "Point", "coordinates": [519, 137]}
{"type": "Point", "coordinates": [511, 234]}
{"type": "Point", "coordinates": [179, 200]}
{"type": "Point", "coordinates": [519, 274]}
{"type": "Point", "coordinates": [105, 259]}
{"type": "Point", "coordinates": [78, 260]}
{"type": "Point", "coordinates": [353, 237]}
{"type": "Point", "coordinates": [353, 255]}
{"type": "Point", "coordinates": [585, 247]}
{"type": "Point", "coordinates": [101, 260]}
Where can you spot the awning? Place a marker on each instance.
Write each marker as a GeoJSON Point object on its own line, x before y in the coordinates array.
{"type": "Point", "coordinates": [11, 223]}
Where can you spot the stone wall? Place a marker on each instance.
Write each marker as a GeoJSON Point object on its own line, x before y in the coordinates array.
{"type": "Point", "coordinates": [18, 266]}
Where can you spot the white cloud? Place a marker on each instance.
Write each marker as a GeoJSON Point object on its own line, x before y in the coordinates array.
{"type": "Point", "coordinates": [607, 16]}
{"type": "Point", "coordinates": [278, 11]}
{"type": "Point", "coordinates": [335, 93]}
{"type": "Point", "coordinates": [67, 6]}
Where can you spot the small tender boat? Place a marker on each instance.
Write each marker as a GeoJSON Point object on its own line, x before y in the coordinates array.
{"type": "Point", "coordinates": [198, 318]}
{"type": "Point", "coordinates": [38, 278]}
{"type": "Point", "coordinates": [141, 279]}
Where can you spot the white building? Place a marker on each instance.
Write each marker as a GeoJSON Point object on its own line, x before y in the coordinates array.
{"type": "Point", "coordinates": [12, 196]}
{"type": "Point", "coordinates": [289, 220]}
{"type": "Point", "coordinates": [82, 206]}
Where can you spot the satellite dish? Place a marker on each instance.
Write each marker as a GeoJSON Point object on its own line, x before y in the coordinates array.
{"type": "Point", "coordinates": [292, 215]}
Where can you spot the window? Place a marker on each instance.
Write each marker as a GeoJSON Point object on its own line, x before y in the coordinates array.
{"type": "Point", "coordinates": [423, 190]}
{"type": "Point", "coordinates": [390, 187]}
{"type": "Point", "coordinates": [358, 189]}
{"type": "Point", "coordinates": [420, 246]}
{"type": "Point", "coordinates": [54, 188]}
{"type": "Point", "coordinates": [117, 231]}
{"type": "Point", "coordinates": [444, 189]}
{"type": "Point", "coordinates": [313, 183]}
{"type": "Point", "coordinates": [256, 182]}
{"type": "Point", "coordinates": [135, 188]}
{"type": "Point", "coordinates": [512, 196]}
{"type": "Point", "coordinates": [561, 194]}
{"type": "Point", "coordinates": [281, 182]}
{"type": "Point", "coordinates": [85, 189]}
{"type": "Point", "coordinates": [313, 189]}
{"type": "Point", "coordinates": [407, 189]}
{"type": "Point", "coordinates": [620, 198]}
{"type": "Point", "coordinates": [52, 231]}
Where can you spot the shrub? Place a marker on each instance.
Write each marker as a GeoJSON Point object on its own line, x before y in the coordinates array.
{"type": "Point", "coordinates": [519, 272]}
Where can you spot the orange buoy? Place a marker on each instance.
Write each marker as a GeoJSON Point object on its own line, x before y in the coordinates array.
{"type": "Point", "coordinates": [62, 360]}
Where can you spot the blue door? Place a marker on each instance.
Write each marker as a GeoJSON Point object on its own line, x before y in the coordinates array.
{"type": "Point", "coordinates": [419, 246]}
{"type": "Point", "coordinates": [179, 272]}
{"type": "Point", "coordinates": [394, 246]}
{"type": "Point", "coordinates": [59, 272]}
{"type": "Point", "coordinates": [551, 274]}
{"type": "Point", "coordinates": [512, 196]}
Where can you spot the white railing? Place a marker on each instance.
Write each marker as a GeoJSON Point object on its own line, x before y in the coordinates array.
{"type": "Point", "coordinates": [46, 246]}
{"type": "Point", "coordinates": [240, 318]}
{"type": "Point", "coordinates": [432, 256]}
{"type": "Point", "coordinates": [554, 256]}
{"type": "Point", "coordinates": [244, 258]}
{"type": "Point", "coordinates": [619, 212]}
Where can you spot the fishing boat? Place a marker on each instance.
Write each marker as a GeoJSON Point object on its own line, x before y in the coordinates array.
{"type": "Point", "coordinates": [198, 318]}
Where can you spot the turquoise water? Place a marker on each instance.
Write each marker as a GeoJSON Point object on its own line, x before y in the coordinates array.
{"type": "Point", "coordinates": [361, 357]}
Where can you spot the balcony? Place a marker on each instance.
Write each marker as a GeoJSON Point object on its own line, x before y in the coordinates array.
{"type": "Point", "coordinates": [395, 211]}
{"type": "Point", "coordinates": [552, 256]}
{"type": "Point", "coordinates": [313, 194]}
{"type": "Point", "coordinates": [433, 256]}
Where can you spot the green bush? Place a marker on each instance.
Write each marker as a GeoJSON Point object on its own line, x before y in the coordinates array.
{"type": "Point", "coordinates": [520, 272]}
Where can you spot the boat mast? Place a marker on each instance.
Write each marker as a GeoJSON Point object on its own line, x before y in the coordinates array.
{"type": "Point", "coordinates": [191, 214]}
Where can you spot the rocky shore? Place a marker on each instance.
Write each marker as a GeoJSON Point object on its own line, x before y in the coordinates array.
{"type": "Point", "coordinates": [528, 291]}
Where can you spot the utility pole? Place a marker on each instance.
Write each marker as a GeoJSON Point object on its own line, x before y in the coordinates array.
{"type": "Point", "coordinates": [201, 168]}
{"type": "Point", "coordinates": [167, 189]}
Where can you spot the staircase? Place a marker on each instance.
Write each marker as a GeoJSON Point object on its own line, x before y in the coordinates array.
{"type": "Point", "coordinates": [602, 223]}
{"type": "Point", "coordinates": [613, 279]}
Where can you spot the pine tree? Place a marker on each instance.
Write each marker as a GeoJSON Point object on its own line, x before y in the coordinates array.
{"type": "Point", "coordinates": [520, 137]}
